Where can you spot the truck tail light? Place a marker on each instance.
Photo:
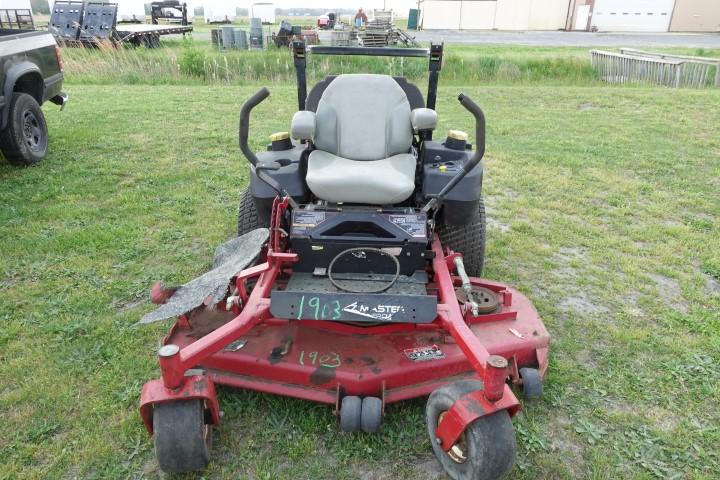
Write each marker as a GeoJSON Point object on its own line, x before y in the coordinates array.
{"type": "Point", "coordinates": [58, 55]}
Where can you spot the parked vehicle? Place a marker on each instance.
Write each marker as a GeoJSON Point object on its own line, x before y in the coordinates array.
{"type": "Point", "coordinates": [31, 73]}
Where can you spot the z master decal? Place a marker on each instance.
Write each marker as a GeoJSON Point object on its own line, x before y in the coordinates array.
{"type": "Point", "coordinates": [422, 354]}
{"type": "Point", "coordinates": [378, 312]}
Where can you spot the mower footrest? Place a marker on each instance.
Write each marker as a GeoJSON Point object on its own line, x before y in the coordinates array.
{"type": "Point", "coordinates": [353, 307]}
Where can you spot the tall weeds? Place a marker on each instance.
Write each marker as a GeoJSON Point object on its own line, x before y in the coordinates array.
{"type": "Point", "coordinates": [188, 62]}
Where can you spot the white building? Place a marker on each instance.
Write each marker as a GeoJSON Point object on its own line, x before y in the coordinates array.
{"type": "Point", "coordinates": [493, 14]}
{"type": "Point", "coordinates": [595, 15]}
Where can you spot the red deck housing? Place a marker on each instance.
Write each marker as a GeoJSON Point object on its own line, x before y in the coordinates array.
{"type": "Point", "coordinates": [322, 361]}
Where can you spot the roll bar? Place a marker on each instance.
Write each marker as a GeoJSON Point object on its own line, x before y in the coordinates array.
{"type": "Point", "coordinates": [477, 112]}
{"type": "Point", "coordinates": [434, 55]}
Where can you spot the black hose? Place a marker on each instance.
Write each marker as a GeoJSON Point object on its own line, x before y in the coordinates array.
{"type": "Point", "coordinates": [364, 249]}
{"type": "Point", "coordinates": [251, 103]}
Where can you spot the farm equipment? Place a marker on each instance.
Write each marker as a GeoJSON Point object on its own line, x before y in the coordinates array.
{"type": "Point", "coordinates": [354, 281]}
{"type": "Point", "coordinates": [78, 23]}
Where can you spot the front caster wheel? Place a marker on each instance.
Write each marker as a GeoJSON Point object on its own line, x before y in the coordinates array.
{"type": "Point", "coordinates": [371, 417]}
{"type": "Point", "coordinates": [350, 412]}
{"type": "Point", "coordinates": [182, 438]}
{"type": "Point", "coordinates": [532, 386]}
{"type": "Point", "coordinates": [485, 450]}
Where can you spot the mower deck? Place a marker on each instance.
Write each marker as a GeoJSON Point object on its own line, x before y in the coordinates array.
{"type": "Point", "coordinates": [313, 359]}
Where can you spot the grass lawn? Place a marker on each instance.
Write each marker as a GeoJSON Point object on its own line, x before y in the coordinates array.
{"type": "Point", "coordinates": [603, 207]}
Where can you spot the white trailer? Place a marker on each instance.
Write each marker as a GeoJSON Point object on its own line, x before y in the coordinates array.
{"type": "Point", "coordinates": [265, 11]}
{"type": "Point", "coordinates": [131, 10]}
{"type": "Point", "coordinates": [217, 11]}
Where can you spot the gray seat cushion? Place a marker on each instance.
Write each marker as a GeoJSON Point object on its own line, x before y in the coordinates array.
{"type": "Point", "coordinates": [363, 137]}
{"type": "Point", "coordinates": [376, 182]}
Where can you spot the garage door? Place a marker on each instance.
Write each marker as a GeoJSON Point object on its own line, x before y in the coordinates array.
{"type": "Point", "coordinates": [632, 15]}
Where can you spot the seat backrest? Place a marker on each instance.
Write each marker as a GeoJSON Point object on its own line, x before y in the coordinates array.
{"type": "Point", "coordinates": [363, 117]}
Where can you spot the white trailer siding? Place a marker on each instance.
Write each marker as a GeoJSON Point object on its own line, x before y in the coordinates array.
{"type": "Point", "coordinates": [632, 15]}
{"type": "Point", "coordinates": [219, 10]}
{"type": "Point", "coordinates": [130, 10]}
{"type": "Point", "coordinates": [16, 4]}
{"type": "Point", "coordinates": [264, 11]}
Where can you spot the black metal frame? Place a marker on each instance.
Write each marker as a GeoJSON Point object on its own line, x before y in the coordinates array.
{"type": "Point", "coordinates": [23, 19]}
{"type": "Point", "coordinates": [156, 11]}
{"type": "Point", "coordinates": [434, 55]}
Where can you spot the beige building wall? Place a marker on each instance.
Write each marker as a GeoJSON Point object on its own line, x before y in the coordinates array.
{"type": "Point", "coordinates": [696, 16]}
{"type": "Point", "coordinates": [512, 15]}
{"type": "Point", "coordinates": [547, 14]}
{"type": "Point", "coordinates": [493, 14]}
{"type": "Point", "coordinates": [478, 15]}
{"type": "Point", "coordinates": [441, 15]}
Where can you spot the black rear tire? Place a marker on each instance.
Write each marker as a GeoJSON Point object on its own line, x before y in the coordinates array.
{"type": "Point", "coordinates": [182, 438]}
{"type": "Point", "coordinates": [24, 140]}
{"type": "Point", "coordinates": [485, 451]}
{"type": "Point", "coordinates": [469, 240]}
{"type": "Point", "coordinates": [247, 214]}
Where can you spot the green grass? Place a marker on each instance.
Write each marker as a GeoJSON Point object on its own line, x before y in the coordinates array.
{"type": "Point", "coordinates": [603, 206]}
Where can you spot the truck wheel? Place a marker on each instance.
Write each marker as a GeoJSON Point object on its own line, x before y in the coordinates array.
{"type": "Point", "coordinates": [468, 240]}
{"type": "Point", "coordinates": [182, 438]}
{"type": "Point", "coordinates": [247, 214]}
{"type": "Point", "coordinates": [24, 141]}
{"type": "Point", "coordinates": [485, 450]}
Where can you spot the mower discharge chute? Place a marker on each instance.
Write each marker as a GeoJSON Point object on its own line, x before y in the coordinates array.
{"type": "Point", "coordinates": [355, 281]}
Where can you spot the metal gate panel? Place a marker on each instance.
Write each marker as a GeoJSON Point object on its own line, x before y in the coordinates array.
{"type": "Point", "coordinates": [99, 21]}
{"type": "Point", "coordinates": [66, 19]}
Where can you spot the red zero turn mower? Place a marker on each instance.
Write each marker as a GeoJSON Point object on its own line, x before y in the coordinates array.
{"type": "Point", "coordinates": [354, 281]}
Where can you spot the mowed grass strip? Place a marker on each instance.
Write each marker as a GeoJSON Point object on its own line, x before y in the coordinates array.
{"type": "Point", "coordinates": [603, 207]}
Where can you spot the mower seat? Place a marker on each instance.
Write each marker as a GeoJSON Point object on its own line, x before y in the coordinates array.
{"type": "Point", "coordinates": [362, 133]}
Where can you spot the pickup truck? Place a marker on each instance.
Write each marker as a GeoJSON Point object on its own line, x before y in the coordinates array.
{"type": "Point", "coordinates": [31, 73]}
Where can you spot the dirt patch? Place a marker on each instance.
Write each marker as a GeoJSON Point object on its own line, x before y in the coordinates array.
{"type": "Point", "coordinates": [669, 291]}
{"type": "Point", "coordinates": [712, 285]}
{"type": "Point", "coordinates": [586, 106]}
{"type": "Point", "coordinates": [496, 225]}
{"type": "Point", "coordinates": [564, 441]}
{"type": "Point", "coordinates": [129, 304]}
{"type": "Point", "coordinates": [581, 304]}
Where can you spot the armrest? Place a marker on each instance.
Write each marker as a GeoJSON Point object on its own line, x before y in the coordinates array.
{"type": "Point", "coordinates": [303, 125]}
{"type": "Point", "coordinates": [423, 119]}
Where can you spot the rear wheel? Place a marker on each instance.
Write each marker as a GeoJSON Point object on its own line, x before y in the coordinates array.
{"type": "Point", "coordinates": [469, 240]}
{"type": "Point", "coordinates": [182, 438]}
{"type": "Point", "coordinates": [485, 450]}
{"type": "Point", "coordinates": [24, 141]}
{"type": "Point", "coordinates": [247, 214]}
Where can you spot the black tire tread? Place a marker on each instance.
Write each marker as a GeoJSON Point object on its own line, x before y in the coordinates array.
{"type": "Point", "coordinates": [469, 240]}
{"type": "Point", "coordinates": [350, 413]}
{"type": "Point", "coordinates": [180, 445]}
{"type": "Point", "coordinates": [247, 214]}
{"type": "Point", "coordinates": [371, 416]}
{"type": "Point", "coordinates": [11, 145]}
{"type": "Point", "coordinates": [493, 449]}
{"type": "Point", "coordinates": [532, 383]}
